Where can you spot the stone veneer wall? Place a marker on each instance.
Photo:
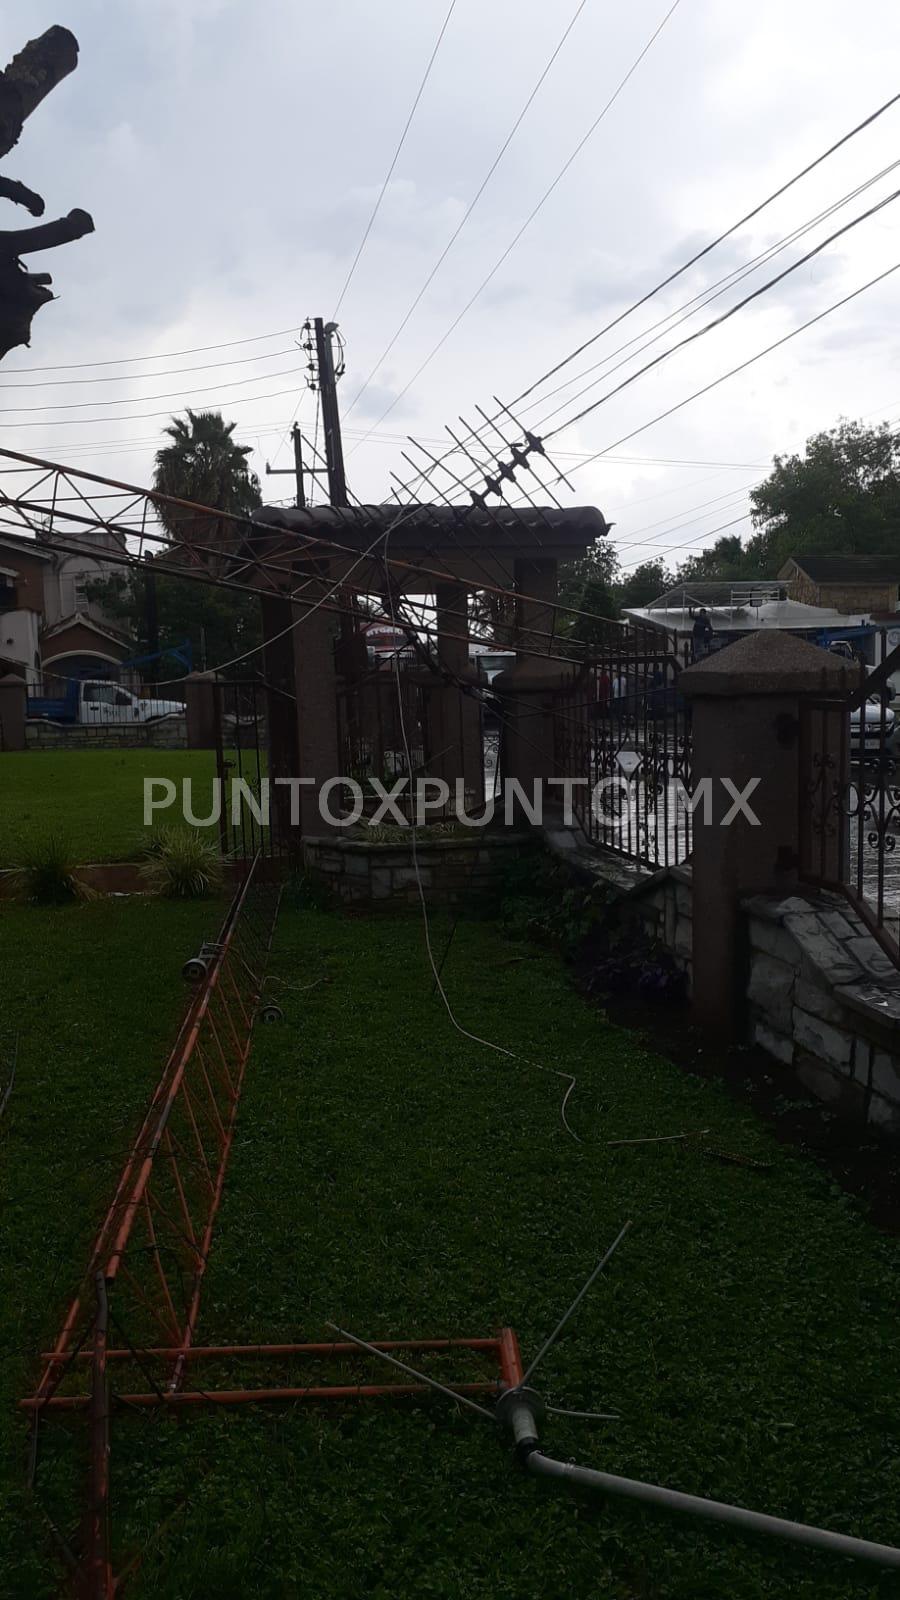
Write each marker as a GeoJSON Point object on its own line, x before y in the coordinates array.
{"type": "Point", "coordinates": [167, 733]}
{"type": "Point", "coordinates": [361, 873]}
{"type": "Point", "coordinates": [825, 999]}
{"type": "Point", "coordinates": [664, 904]}
{"type": "Point", "coordinates": [822, 996]}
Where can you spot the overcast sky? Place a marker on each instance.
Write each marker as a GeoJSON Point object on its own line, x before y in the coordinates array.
{"type": "Point", "coordinates": [231, 155]}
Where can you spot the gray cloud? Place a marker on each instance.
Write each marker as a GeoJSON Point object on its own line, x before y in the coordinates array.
{"type": "Point", "coordinates": [231, 155]}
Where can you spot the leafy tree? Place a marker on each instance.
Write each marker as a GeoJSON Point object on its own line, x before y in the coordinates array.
{"type": "Point", "coordinates": [644, 584]}
{"type": "Point", "coordinates": [204, 464]}
{"type": "Point", "coordinates": [724, 559]}
{"type": "Point", "coordinates": [588, 584]}
{"type": "Point", "coordinates": [841, 495]}
{"type": "Point", "coordinates": [219, 623]}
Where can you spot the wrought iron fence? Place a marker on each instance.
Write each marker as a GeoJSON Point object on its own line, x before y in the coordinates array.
{"type": "Point", "coordinates": [249, 716]}
{"type": "Point", "coordinates": [622, 732]}
{"type": "Point", "coordinates": [850, 798]}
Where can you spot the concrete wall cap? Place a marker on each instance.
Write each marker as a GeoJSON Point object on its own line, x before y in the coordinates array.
{"type": "Point", "coordinates": [768, 663]}
{"type": "Point", "coordinates": [533, 674]}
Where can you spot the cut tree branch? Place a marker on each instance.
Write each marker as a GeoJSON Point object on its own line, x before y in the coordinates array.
{"type": "Point", "coordinates": [46, 236]}
{"type": "Point", "coordinates": [11, 189]}
{"type": "Point", "coordinates": [29, 78]}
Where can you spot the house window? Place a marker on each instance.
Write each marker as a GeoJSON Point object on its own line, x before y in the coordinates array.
{"type": "Point", "coordinates": [80, 583]}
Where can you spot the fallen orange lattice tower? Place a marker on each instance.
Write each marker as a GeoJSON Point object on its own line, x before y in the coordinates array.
{"type": "Point", "coordinates": [139, 1303]}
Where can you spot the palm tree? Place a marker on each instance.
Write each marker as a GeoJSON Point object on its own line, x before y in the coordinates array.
{"type": "Point", "coordinates": [204, 464]}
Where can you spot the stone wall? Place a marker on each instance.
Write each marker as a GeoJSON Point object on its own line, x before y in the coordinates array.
{"type": "Point", "coordinates": [825, 999]}
{"type": "Point", "coordinates": [819, 993]}
{"type": "Point", "coordinates": [664, 905]}
{"type": "Point", "coordinates": [452, 870]}
{"type": "Point", "coordinates": [166, 733]}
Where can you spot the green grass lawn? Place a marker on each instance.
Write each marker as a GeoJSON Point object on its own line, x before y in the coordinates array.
{"type": "Point", "coordinates": [95, 994]}
{"type": "Point", "coordinates": [402, 1181]}
{"type": "Point", "coordinates": [93, 799]}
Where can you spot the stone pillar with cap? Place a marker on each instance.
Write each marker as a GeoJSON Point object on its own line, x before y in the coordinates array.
{"type": "Point", "coordinates": [746, 703]}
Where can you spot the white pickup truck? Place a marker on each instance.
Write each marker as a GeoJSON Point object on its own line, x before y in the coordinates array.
{"type": "Point", "coordinates": [93, 700]}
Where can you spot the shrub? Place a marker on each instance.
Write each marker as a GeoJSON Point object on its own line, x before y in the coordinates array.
{"type": "Point", "coordinates": [181, 865]}
{"type": "Point", "coordinates": [47, 877]}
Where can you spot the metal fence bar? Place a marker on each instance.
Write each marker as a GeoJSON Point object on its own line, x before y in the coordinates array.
{"type": "Point", "coordinates": [622, 731]}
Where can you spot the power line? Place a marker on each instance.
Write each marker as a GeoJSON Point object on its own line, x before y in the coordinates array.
{"type": "Point", "coordinates": [470, 208]}
{"type": "Point", "coordinates": [683, 313]}
{"type": "Point", "coordinates": [171, 394]}
{"type": "Point", "coordinates": [741, 367]}
{"type": "Point", "coordinates": [162, 355]}
{"type": "Point", "coordinates": [717, 322]}
{"type": "Point", "coordinates": [720, 238]}
{"type": "Point", "coordinates": [698, 301]}
{"type": "Point", "coordinates": [140, 377]}
{"type": "Point", "coordinates": [639, 563]}
{"type": "Point", "coordinates": [700, 254]}
{"type": "Point", "coordinates": [530, 218]}
{"type": "Point", "coordinates": [141, 416]}
{"type": "Point", "coordinates": [687, 512]}
{"type": "Point", "coordinates": [396, 156]}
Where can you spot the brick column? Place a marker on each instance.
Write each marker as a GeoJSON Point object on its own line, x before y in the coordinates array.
{"type": "Point", "coordinates": [13, 702]}
{"type": "Point", "coordinates": [315, 685]}
{"type": "Point", "coordinates": [454, 717]}
{"type": "Point", "coordinates": [527, 690]}
{"type": "Point", "coordinates": [746, 702]}
{"type": "Point", "coordinates": [538, 579]}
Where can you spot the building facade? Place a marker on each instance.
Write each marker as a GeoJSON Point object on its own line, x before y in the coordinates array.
{"type": "Point", "coordinates": [51, 628]}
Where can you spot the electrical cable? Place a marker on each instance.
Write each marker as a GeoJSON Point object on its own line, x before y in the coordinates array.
{"type": "Point", "coordinates": [162, 355]}
{"type": "Point", "coordinates": [719, 239]}
{"type": "Point", "coordinates": [475, 1038]}
{"type": "Point", "coordinates": [139, 377]}
{"type": "Point", "coordinates": [528, 220]}
{"type": "Point", "coordinates": [395, 158]}
{"type": "Point", "coordinates": [469, 209]}
{"type": "Point", "coordinates": [683, 313]}
{"type": "Point", "coordinates": [700, 254]}
{"type": "Point", "coordinates": [732, 311]}
{"type": "Point", "coordinates": [140, 416]}
{"type": "Point", "coordinates": [741, 367]}
{"type": "Point", "coordinates": [171, 394]}
{"type": "Point", "coordinates": [699, 301]}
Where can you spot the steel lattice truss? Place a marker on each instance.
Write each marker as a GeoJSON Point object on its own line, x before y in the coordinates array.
{"type": "Point", "coordinates": [128, 1340]}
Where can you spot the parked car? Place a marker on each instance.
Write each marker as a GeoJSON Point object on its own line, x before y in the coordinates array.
{"type": "Point", "coordinates": [872, 730]}
{"type": "Point", "coordinates": [96, 701]}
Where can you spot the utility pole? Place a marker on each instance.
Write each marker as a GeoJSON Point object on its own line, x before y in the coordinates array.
{"type": "Point", "coordinates": [331, 421]}
{"type": "Point", "coordinates": [296, 469]}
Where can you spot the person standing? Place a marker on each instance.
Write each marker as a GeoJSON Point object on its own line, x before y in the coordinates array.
{"type": "Point", "coordinates": [702, 633]}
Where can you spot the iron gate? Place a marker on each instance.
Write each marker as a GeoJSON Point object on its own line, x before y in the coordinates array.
{"type": "Point", "coordinates": [849, 821]}
{"type": "Point", "coordinates": [622, 731]}
{"type": "Point", "coordinates": [255, 744]}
